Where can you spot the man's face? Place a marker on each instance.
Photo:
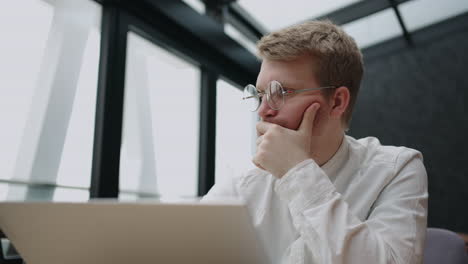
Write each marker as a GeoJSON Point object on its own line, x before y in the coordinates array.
{"type": "Point", "coordinates": [293, 75]}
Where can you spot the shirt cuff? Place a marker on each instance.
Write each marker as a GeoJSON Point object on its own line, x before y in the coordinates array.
{"type": "Point", "coordinates": [305, 185]}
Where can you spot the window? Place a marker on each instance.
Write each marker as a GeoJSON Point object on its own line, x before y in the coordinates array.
{"type": "Point", "coordinates": [277, 14]}
{"type": "Point", "coordinates": [235, 133]}
{"type": "Point", "coordinates": [159, 154]}
{"type": "Point", "coordinates": [434, 11]}
{"type": "Point", "coordinates": [375, 28]}
{"type": "Point", "coordinates": [50, 54]}
{"type": "Point", "coordinates": [197, 5]}
{"type": "Point", "coordinates": [75, 165]}
{"type": "Point", "coordinates": [21, 23]}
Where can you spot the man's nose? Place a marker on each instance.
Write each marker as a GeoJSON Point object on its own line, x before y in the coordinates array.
{"type": "Point", "coordinates": [265, 111]}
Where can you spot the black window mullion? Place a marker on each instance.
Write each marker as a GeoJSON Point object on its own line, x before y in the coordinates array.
{"type": "Point", "coordinates": [109, 105]}
{"type": "Point", "coordinates": [406, 34]}
{"type": "Point", "coordinates": [206, 167]}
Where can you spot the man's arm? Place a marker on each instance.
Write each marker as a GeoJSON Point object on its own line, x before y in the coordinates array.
{"type": "Point", "coordinates": [221, 190]}
{"type": "Point", "coordinates": [329, 232]}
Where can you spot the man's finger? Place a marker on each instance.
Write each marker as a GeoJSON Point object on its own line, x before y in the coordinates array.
{"type": "Point", "coordinates": [307, 123]}
{"type": "Point", "coordinates": [262, 127]}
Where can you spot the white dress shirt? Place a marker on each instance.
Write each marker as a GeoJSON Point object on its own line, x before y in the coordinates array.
{"type": "Point", "coordinates": [366, 205]}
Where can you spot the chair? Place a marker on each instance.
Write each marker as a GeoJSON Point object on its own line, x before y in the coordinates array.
{"type": "Point", "coordinates": [8, 254]}
{"type": "Point", "coordinates": [444, 246]}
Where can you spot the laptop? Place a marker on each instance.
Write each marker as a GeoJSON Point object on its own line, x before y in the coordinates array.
{"type": "Point", "coordinates": [131, 232]}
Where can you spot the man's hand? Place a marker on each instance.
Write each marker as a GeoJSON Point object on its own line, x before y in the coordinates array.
{"type": "Point", "coordinates": [279, 149]}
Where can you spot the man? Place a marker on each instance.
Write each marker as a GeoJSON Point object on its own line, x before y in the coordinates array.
{"type": "Point", "coordinates": [319, 196]}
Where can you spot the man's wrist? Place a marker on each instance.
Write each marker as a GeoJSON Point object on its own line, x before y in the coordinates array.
{"type": "Point", "coordinates": [295, 167]}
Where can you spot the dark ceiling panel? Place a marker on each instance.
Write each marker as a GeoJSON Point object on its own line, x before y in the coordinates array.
{"type": "Point", "coordinates": [358, 10]}
{"type": "Point", "coordinates": [239, 18]}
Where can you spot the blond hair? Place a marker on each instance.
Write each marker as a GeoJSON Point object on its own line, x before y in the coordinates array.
{"type": "Point", "coordinates": [337, 58]}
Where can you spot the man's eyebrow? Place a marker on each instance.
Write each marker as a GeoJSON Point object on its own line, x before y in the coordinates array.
{"type": "Point", "coordinates": [289, 84]}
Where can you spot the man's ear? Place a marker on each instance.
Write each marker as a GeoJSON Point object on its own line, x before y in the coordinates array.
{"type": "Point", "coordinates": [340, 102]}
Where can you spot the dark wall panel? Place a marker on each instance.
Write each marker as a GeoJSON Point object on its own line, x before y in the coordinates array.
{"type": "Point", "coordinates": [417, 97]}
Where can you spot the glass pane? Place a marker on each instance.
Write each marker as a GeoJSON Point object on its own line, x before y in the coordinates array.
{"type": "Point", "coordinates": [25, 192]}
{"type": "Point", "coordinates": [48, 93]}
{"type": "Point", "coordinates": [70, 195]}
{"type": "Point", "coordinates": [123, 196]}
{"type": "Point", "coordinates": [235, 133]}
{"type": "Point", "coordinates": [35, 192]}
{"type": "Point", "coordinates": [161, 114]}
{"type": "Point", "coordinates": [131, 196]}
{"type": "Point", "coordinates": [12, 192]}
{"type": "Point", "coordinates": [276, 14]}
{"type": "Point", "coordinates": [75, 165]}
{"type": "Point", "coordinates": [434, 11]}
{"type": "Point", "coordinates": [368, 31]}
{"type": "Point", "coordinates": [197, 5]}
{"type": "Point", "coordinates": [21, 24]}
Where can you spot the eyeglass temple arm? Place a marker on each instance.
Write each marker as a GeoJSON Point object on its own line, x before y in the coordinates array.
{"type": "Point", "coordinates": [308, 89]}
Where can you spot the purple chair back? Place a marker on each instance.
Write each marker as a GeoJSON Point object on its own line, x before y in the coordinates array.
{"type": "Point", "coordinates": [444, 247]}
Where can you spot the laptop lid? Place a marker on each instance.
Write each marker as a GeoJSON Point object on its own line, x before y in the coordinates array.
{"type": "Point", "coordinates": [126, 232]}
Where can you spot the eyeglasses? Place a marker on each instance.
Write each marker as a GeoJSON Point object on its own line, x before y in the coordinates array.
{"type": "Point", "coordinates": [275, 94]}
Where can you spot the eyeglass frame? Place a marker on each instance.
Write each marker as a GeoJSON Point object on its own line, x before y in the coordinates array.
{"type": "Point", "coordinates": [285, 91]}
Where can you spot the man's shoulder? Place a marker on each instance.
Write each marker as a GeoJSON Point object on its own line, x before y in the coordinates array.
{"type": "Point", "coordinates": [370, 150]}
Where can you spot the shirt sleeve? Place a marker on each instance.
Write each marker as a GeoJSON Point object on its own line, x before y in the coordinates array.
{"type": "Point", "coordinates": [225, 189]}
{"type": "Point", "coordinates": [394, 231]}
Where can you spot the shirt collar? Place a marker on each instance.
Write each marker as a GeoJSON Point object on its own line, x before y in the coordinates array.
{"type": "Point", "coordinates": [333, 165]}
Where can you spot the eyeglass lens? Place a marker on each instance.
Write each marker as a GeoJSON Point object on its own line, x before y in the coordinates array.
{"type": "Point", "coordinates": [275, 95]}
{"type": "Point", "coordinates": [251, 99]}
